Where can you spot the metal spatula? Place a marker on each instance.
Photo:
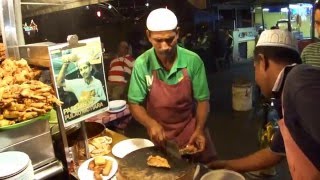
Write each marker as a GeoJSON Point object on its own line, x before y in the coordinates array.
{"type": "Point", "coordinates": [172, 149]}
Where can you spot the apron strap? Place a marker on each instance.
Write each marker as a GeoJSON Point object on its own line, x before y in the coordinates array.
{"type": "Point", "coordinates": [155, 73]}
{"type": "Point", "coordinates": [185, 72]}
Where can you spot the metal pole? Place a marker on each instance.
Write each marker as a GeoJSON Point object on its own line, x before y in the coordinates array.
{"type": "Point", "coordinates": [262, 18]}
{"type": "Point", "coordinates": [18, 17]}
{"type": "Point", "coordinates": [236, 20]}
{"type": "Point", "coordinates": [312, 24]}
{"type": "Point", "coordinates": [9, 29]}
{"type": "Point", "coordinates": [12, 30]}
{"type": "Point", "coordinates": [289, 19]}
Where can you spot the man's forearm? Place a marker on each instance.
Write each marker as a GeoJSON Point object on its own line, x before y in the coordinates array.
{"type": "Point", "coordinates": [202, 114]}
{"type": "Point", "coordinates": [141, 115]}
{"type": "Point", "coordinates": [262, 159]}
{"type": "Point", "coordinates": [61, 75]}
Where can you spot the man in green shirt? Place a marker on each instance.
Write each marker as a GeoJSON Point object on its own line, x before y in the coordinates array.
{"type": "Point", "coordinates": [171, 82]}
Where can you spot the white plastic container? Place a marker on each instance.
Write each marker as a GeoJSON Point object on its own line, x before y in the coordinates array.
{"type": "Point", "coordinates": [15, 165]}
{"type": "Point", "coordinates": [222, 174]}
{"type": "Point", "coordinates": [241, 96]}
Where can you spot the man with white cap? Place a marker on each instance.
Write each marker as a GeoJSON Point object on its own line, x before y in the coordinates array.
{"type": "Point", "coordinates": [83, 88]}
{"type": "Point", "coordinates": [295, 92]}
{"type": "Point", "coordinates": [171, 82]}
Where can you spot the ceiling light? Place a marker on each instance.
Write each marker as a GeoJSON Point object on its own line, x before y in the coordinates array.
{"type": "Point", "coordinates": [147, 4]}
{"type": "Point", "coordinates": [99, 13]}
{"type": "Point", "coordinates": [265, 9]}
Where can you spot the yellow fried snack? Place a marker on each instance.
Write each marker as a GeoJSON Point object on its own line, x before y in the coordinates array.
{"type": "Point", "coordinates": [99, 160]}
{"type": "Point", "coordinates": [100, 167]}
{"type": "Point", "coordinates": [106, 170]}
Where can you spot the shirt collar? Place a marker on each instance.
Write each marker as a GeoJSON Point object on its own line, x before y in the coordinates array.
{"type": "Point", "coordinates": [280, 79]}
{"type": "Point", "coordinates": [179, 63]}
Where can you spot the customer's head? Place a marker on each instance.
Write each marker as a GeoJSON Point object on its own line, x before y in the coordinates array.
{"type": "Point", "coordinates": [317, 18]}
{"type": "Point", "coordinates": [275, 49]}
{"type": "Point", "coordinates": [162, 32]}
{"type": "Point", "coordinates": [123, 48]}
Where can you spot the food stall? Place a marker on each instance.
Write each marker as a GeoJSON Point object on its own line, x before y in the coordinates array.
{"type": "Point", "coordinates": [26, 104]}
{"type": "Point", "coordinates": [79, 144]}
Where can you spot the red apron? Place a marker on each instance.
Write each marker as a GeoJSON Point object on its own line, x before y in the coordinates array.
{"type": "Point", "coordinates": [301, 168]}
{"type": "Point", "coordinates": [173, 107]}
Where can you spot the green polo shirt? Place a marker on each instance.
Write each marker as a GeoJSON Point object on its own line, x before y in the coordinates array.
{"type": "Point", "coordinates": [141, 77]}
{"type": "Point", "coordinates": [311, 54]}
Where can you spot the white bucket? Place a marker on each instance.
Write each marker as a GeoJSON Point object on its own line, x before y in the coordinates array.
{"type": "Point", "coordinates": [241, 96]}
{"type": "Point", "coordinates": [222, 174]}
{"type": "Point", "coordinates": [15, 165]}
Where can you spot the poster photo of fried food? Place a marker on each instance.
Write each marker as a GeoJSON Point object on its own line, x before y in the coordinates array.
{"type": "Point", "coordinates": [80, 83]}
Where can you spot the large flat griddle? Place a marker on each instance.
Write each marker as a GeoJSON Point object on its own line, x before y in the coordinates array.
{"type": "Point", "coordinates": [134, 166]}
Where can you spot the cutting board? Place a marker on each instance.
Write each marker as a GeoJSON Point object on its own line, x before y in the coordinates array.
{"type": "Point", "coordinates": [134, 166]}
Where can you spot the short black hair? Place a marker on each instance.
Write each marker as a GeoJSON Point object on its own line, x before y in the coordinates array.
{"type": "Point", "coordinates": [316, 6]}
{"type": "Point", "coordinates": [278, 54]}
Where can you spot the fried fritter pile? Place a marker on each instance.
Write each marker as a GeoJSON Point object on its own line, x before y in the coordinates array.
{"type": "Point", "coordinates": [21, 97]}
{"type": "Point", "coordinates": [2, 52]}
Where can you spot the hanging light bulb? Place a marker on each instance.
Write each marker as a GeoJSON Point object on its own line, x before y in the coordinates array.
{"type": "Point", "coordinates": [147, 4]}
{"type": "Point", "coordinates": [109, 6]}
{"type": "Point", "coordinates": [99, 13]}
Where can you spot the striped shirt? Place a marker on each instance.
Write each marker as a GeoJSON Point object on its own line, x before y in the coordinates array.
{"type": "Point", "coordinates": [120, 68]}
{"type": "Point", "coordinates": [311, 54]}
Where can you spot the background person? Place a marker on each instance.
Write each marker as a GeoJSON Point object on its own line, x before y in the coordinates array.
{"type": "Point", "coordinates": [172, 82]}
{"type": "Point", "coordinates": [120, 72]}
{"type": "Point", "coordinates": [311, 53]}
{"type": "Point", "coordinates": [277, 76]}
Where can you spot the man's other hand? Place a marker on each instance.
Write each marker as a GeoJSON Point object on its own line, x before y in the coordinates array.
{"type": "Point", "coordinates": [157, 134]}
{"type": "Point", "coordinates": [198, 140]}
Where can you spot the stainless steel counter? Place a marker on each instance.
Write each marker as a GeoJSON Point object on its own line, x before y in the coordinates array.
{"type": "Point", "coordinates": [48, 170]}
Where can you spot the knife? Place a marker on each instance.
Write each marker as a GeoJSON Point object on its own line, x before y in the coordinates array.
{"type": "Point", "coordinates": [172, 149]}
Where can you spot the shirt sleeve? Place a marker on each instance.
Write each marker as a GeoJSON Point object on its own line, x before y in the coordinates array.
{"type": "Point", "coordinates": [100, 91]}
{"type": "Point", "coordinates": [69, 85]}
{"type": "Point", "coordinates": [303, 56]}
{"type": "Point", "coordinates": [277, 144]}
{"type": "Point", "coordinates": [200, 83]}
{"type": "Point", "coordinates": [138, 85]}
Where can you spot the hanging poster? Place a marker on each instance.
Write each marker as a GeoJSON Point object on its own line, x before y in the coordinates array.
{"type": "Point", "coordinates": [79, 79]}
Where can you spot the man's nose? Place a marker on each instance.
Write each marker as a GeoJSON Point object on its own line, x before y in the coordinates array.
{"type": "Point", "coordinates": [165, 45]}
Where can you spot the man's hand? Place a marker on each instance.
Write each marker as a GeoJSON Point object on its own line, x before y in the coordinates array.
{"type": "Point", "coordinates": [157, 134]}
{"type": "Point", "coordinates": [198, 140]}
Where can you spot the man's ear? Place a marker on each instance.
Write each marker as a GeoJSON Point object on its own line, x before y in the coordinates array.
{"type": "Point", "coordinates": [262, 62]}
{"type": "Point", "coordinates": [178, 31]}
{"type": "Point", "coordinates": [148, 34]}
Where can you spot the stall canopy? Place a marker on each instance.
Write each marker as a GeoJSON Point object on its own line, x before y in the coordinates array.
{"type": "Point", "coordinates": [37, 7]}
{"type": "Point", "coordinates": [265, 1]}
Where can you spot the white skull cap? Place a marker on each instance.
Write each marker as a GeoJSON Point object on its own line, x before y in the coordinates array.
{"type": "Point", "coordinates": [83, 59]}
{"type": "Point", "coordinates": [277, 38]}
{"type": "Point", "coordinates": [161, 19]}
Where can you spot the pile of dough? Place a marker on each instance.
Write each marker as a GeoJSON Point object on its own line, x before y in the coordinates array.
{"type": "Point", "coordinates": [100, 146]}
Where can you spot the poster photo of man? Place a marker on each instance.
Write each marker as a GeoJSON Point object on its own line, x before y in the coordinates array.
{"type": "Point", "coordinates": [79, 79]}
